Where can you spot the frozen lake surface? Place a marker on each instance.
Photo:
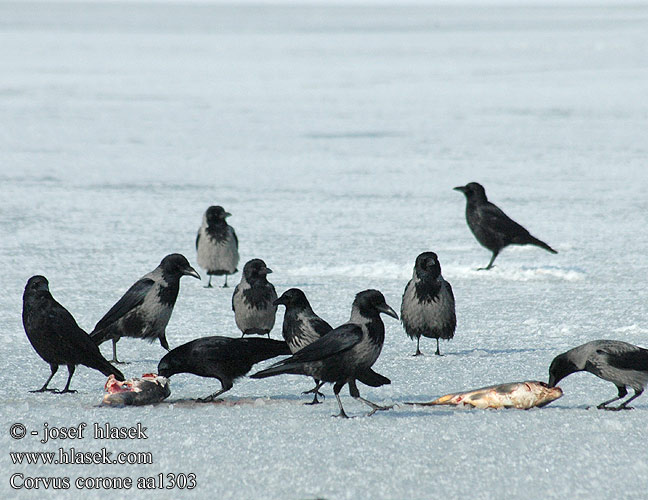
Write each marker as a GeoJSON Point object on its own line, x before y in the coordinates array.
{"type": "Point", "coordinates": [334, 136]}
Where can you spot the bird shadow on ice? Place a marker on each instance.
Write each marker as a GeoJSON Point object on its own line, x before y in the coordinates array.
{"type": "Point", "coordinates": [231, 401]}
{"type": "Point", "coordinates": [477, 350]}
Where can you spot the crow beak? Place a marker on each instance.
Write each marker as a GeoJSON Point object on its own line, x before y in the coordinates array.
{"type": "Point", "coordinates": [279, 301]}
{"type": "Point", "coordinates": [552, 381]}
{"type": "Point", "coordinates": [388, 310]}
{"type": "Point", "coordinates": [190, 271]}
{"type": "Point", "coordinates": [226, 214]}
{"type": "Point", "coordinates": [460, 188]}
{"type": "Point", "coordinates": [268, 270]}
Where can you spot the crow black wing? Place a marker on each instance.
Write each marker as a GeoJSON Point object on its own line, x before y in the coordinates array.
{"type": "Point", "coordinates": [131, 299]}
{"type": "Point", "coordinates": [336, 341]}
{"type": "Point", "coordinates": [629, 360]}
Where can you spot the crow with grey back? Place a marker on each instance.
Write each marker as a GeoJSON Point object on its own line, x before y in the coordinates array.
{"type": "Point", "coordinates": [217, 245]}
{"type": "Point", "coordinates": [223, 358]}
{"type": "Point", "coordinates": [623, 364]}
{"type": "Point", "coordinates": [428, 306]}
{"type": "Point", "coordinates": [56, 336]}
{"type": "Point", "coordinates": [253, 300]}
{"type": "Point", "coordinates": [492, 228]}
{"type": "Point", "coordinates": [344, 354]}
{"type": "Point", "coordinates": [145, 309]}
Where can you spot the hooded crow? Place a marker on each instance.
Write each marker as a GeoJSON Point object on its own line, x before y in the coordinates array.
{"type": "Point", "coordinates": [428, 306]}
{"type": "Point", "coordinates": [217, 245]}
{"type": "Point", "coordinates": [345, 353]}
{"type": "Point", "coordinates": [56, 337]}
{"type": "Point", "coordinates": [492, 227]}
{"type": "Point", "coordinates": [252, 301]}
{"type": "Point", "coordinates": [618, 362]}
{"type": "Point", "coordinates": [145, 309]}
{"type": "Point", "coordinates": [301, 326]}
{"type": "Point", "coordinates": [223, 358]}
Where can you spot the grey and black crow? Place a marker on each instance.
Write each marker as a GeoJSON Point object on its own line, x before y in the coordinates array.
{"type": "Point", "coordinates": [145, 309]}
{"type": "Point", "coordinates": [428, 306]}
{"type": "Point", "coordinates": [223, 358]}
{"type": "Point", "coordinates": [56, 337]}
{"type": "Point", "coordinates": [623, 364]}
{"type": "Point", "coordinates": [492, 227]}
{"type": "Point", "coordinates": [253, 300]}
{"type": "Point", "coordinates": [217, 245]}
{"type": "Point", "coordinates": [301, 326]}
{"type": "Point", "coordinates": [345, 353]}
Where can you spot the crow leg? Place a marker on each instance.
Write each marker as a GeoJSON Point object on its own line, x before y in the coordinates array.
{"type": "Point", "coordinates": [624, 405]}
{"type": "Point", "coordinates": [418, 350]}
{"type": "Point", "coordinates": [225, 386]}
{"type": "Point", "coordinates": [622, 393]}
{"type": "Point", "coordinates": [71, 369]}
{"type": "Point", "coordinates": [114, 358]}
{"type": "Point", "coordinates": [318, 384]}
{"type": "Point", "coordinates": [438, 353]}
{"type": "Point", "coordinates": [355, 394]}
{"type": "Point", "coordinates": [164, 343]}
{"type": "Point", "coordinates": [336, 390]}
{"type": "Point", "coordinates": [54, 369]}
{"type": "Point", "coordinates": [225, 285]}
{"type": "Point", "coordinates": [209, 285]}
{"type": "Point", "coordinates": [490, 264]}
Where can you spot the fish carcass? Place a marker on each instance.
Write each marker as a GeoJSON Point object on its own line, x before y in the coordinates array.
{"type": "Point", "coordinates": [521, 395]}
{"type": "Point", "coordinates": [151, 388]}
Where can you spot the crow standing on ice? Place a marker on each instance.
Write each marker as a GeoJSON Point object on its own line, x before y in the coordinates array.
{"type": "Point", "coordinates": [145, 309]}
{"type": "Point", "coordinates": [301, 326]}
{"type": "Point", "coordinates": [223, 358]}
{"type": "Point", "coordinates": [428, 306]}
{"type": "Point", "coordinates": [252, 301]}
{"type": "Point", "coordinates": [492, 227]}
{"type": "Point", "coordinates": [618, 362]}
{"type": "Point", "coordinates": [56, 337]}
{"type": "Point", "coordinates": [217, 245]}
{"type": "Point", "coordinates": [345, 353]}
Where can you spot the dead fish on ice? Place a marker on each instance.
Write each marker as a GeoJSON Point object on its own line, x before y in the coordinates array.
{"type": "Point", "coordinates": [521, 395]}
{"type": "Point", "coordinates": [151, 388]}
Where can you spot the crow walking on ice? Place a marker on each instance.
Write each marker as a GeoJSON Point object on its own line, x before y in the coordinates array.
{"type": "Point", "coordinates": [492, 227]}
{"type": "Point", "coordinates": [145, 309]}
{"type": "Point", "coordinates": [345, 353]}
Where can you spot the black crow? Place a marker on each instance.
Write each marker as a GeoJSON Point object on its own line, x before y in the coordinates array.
{"type": "Point", "coordinates": [145, 309]}
{"type": "Point", "coordinates": [252, 301]}
{"type": "Point", "coordinates": [56, 337]}
{"type": "Point", "coordinates": [428, 306]}
{"type": "Point", "coordinates": [618, 362]}
{"type": "Point", "coordinates": [492, 227]}
{"type": "Point", "coordinates": [345, 353]}
{"type": "Point", "coordinates": [217, 245]}
{"type": "Point", "coordinates": [301, 326]}
{"type": "Point", "coordinates": [223, 358]}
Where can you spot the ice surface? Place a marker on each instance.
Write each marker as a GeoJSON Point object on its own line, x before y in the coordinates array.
{"type": "Point", "coordinates": [334, 136]}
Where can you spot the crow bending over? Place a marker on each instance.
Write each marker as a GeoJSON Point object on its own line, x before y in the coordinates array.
{"type": "Point", "coordinates": [223, 358]}
{"type": "Point", "coordinates": [492, 227]}
{"type": "Point", "coordinates": [618, 362]}
{"type": "Point", "coordinates": [56, 337]}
